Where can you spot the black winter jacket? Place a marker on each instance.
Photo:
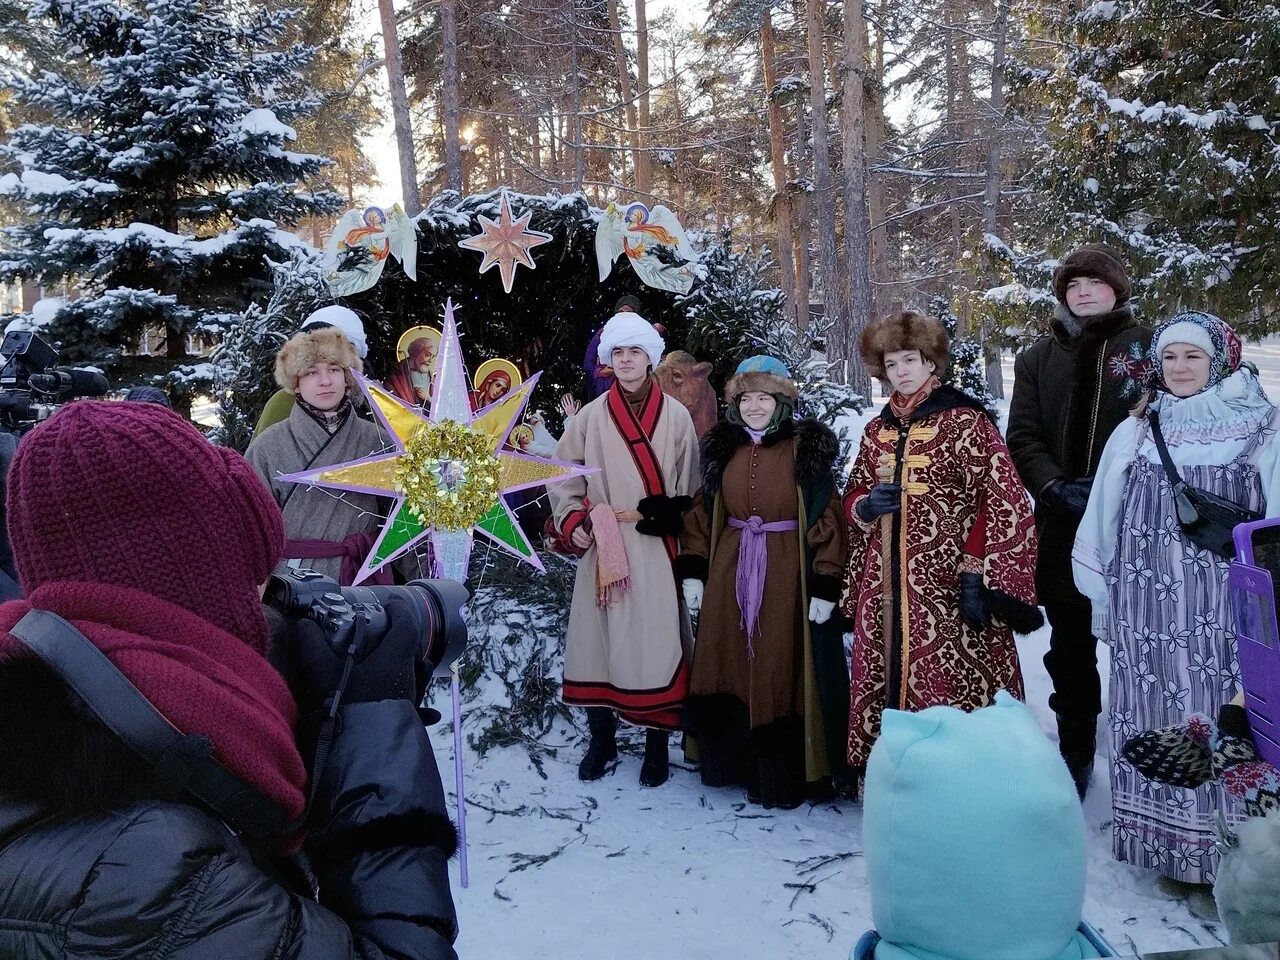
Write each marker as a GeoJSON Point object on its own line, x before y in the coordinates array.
{"type": "Point", "coordinates": [93, 864]}
{"type": "Point", "coordinates": [1069, 394]}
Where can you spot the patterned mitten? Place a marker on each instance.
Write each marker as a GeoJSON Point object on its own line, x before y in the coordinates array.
{"type": "Point", "coordinates": [1236, 763]}
{"type": "Point", "coordinates": [1180, 756]}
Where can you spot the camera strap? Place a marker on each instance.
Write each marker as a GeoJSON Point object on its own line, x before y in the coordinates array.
{"type": "Point", "coordinates": [182, 762]}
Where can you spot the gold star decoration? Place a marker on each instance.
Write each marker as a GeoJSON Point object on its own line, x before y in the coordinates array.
{"type": "Point", "coordinates": [447, 469]}
{"type": "Point", "coordinates": [505, 242]}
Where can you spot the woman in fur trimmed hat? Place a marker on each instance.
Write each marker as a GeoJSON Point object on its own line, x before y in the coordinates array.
{"type": "Point", "coordinates": [328, 534]}
{"type": "Point", "coordinates": [767, 696]}
{"type": "Point", "coordinates": [942, 552]}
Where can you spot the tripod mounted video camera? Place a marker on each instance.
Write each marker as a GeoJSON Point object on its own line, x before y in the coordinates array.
{"type": "Point", "coordinates": [33, 386]}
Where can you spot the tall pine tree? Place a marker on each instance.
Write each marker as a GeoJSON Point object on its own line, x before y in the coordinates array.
{"type": "Point", "coordinates": [156, 192]}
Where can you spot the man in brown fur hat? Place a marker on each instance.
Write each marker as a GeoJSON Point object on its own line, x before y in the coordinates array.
{"type": "Point", "coordinates": [325, 533]}
{"type": "Point", "coordinates": [1070, 390]}
{"type": "Point", "coordinates": [942, 548]}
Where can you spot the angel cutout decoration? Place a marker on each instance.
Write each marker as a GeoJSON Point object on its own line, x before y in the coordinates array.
{"type": "Point", "coordinates": [379, 235]}
{"type": "Point", "coordinates": [654, 242]}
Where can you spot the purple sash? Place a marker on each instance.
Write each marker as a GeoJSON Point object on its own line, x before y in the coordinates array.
{"type": "Point", "coordinates": [753, 561]}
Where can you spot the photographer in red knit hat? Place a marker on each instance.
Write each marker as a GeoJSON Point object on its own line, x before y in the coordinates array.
{"type": "Point", "coordinates": [141, 549]}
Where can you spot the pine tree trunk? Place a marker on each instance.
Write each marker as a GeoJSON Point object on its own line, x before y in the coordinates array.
{"type": "Point", "coordinates": [624, 84]}
{"type": "Point", "coordinates": [677, 178]}
{"type": "Point", "coordinates": [400, 109]}
{"type": "Point", "coordinates": [953, 130]}
{"type": "Point", "coordinates": [991, 202]}
{"type": "Point", "coordinates": [644, 160]}
{"type": "Point", "coordinates": [576, 150]}
{"type": "Point", "coordinates": [881, 294]}
{"type": "Point", "coordinates": [857, 240]}
{"type": "Point", "coordinates": [804, 221]}
{"type": "Point", "coordinates": [451, 107]}
{"type": "Point", "coordinates": [778, 157]}
{"type": "Point", "coordinates": [839, 342]}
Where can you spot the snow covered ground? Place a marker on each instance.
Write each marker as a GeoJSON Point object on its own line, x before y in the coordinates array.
{"type": "Point", "coordinates": [569, 870]}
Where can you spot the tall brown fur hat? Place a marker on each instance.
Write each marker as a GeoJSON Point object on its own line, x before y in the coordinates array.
{"type": "Point", "coordinates": [904, 330]}
{"type": "Point", "coordinates": [1095, 260]}
{"type": "Point", "coordinates": [306, 349]}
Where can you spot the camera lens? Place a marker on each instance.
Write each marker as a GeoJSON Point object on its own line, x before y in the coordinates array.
{"type": "Point", "coordinates": [447, 639]}
{"type": "Point", "coordinates": [443, 630]}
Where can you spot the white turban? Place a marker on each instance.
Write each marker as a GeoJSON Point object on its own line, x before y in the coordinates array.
{"type": "Point", "coordinates": [630, 330]}
{"type": "Point", "coordinates": [346, 321]}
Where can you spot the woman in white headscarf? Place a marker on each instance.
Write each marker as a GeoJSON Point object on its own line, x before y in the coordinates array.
{"type": "Point", "coordinates": [1160, 598]}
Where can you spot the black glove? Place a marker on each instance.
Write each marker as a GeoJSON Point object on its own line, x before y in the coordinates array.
{"type": "Point", "coordinates": [1068, 496]}
{"type": "Point", "coordinates": [973, 601]}
{"type": "Point", "coordinates": [883, 498]}
{"type": "Point", "coordinates": [663, 516]}
{"type": "Point", "coordinates": [386, 668]}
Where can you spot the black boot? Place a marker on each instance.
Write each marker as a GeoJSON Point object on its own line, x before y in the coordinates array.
{"type": "Point", "coordinates": [779, 757]}
{"type": "Point", "coordinates": [1077, 742]}
{"type": "Point", "coordinates": [657, 765]}
{"type": "Point", "coordinates": [603, 748]}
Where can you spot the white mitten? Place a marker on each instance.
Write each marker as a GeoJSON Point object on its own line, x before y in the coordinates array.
{"type": "Point", "coordinates": [692, 596]}
{"type": "Point", "coordinates": [820, 610]}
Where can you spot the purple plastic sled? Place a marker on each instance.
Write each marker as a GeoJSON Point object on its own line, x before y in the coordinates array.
{"type": "Point", "coordinates": [1253, 577]}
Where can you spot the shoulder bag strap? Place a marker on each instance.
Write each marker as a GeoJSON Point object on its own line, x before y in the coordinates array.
{"type": "Point", "coordinates": [184, 762]}
{"type": "Point", "coordinates": [1187, 513]}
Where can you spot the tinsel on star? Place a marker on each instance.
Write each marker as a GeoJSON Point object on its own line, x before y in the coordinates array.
{"type": "Point", "coordinates": [452, 439]}
{"type": "Point", "coordinates": [448, 475]}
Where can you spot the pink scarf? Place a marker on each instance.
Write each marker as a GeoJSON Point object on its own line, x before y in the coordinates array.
{"type": "Point", "coordinates": [613, 574]}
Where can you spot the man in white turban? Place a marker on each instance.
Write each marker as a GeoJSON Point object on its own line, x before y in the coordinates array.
{"type": "Point", "coordinates": [628, 629]}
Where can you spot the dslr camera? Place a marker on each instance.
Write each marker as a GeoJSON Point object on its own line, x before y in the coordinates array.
{"type": "Point", "coordinates": [354, 620]}
{"type": "Point", "coordinates": [32, 386]}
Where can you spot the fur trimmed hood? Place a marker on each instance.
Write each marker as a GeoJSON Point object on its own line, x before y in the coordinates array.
{"type": "Point", "coordinates": [306, 349]}
{"type": "Point", "coordinates": [817, 450]}
{"type": "Point", "coordinates": [945, 397]}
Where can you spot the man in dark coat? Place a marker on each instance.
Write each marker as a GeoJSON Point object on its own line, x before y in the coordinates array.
{"type": "Point", "coordinates": [152, 542]}
{"type": "Point", "coordinates": [1070, 390]}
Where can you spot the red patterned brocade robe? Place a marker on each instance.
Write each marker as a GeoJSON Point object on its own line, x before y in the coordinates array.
{"type": "Point", "coordinates": [962, 509]}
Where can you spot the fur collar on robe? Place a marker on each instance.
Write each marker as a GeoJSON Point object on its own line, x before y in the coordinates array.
{"type": "Point", "coordinates": [817, 449]}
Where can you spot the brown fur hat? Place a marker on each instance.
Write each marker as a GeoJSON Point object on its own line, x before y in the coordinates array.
{"type": "Point", "coordinates": [904, 330]}
{"type": "Point", "coordinates": [306, 349]}
{"type": "Point", "coordinates": [1095, 260]}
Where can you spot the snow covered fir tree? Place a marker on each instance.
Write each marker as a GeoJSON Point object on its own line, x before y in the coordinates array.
{"type": "Point", "coordinates": [1158, 137]}
{"type": "Point", "coordinates": [157, 190]}
{"type": "Point", "coordinates": [967, 371]}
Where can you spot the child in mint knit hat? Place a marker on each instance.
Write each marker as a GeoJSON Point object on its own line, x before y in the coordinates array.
{"type": "Point", "coordinates": [974, 840]}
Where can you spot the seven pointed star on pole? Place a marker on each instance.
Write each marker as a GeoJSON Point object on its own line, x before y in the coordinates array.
{"type": "Point", "coordinates": [505, 242]}
{"type": "Point", "coordinates": [450, 400]}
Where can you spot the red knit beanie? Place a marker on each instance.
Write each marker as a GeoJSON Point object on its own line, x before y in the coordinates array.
{"type": "Point", "coordinates": [131, 495]}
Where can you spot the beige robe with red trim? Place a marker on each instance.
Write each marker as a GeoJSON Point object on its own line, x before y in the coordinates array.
{"type": "Point", "coordinates": [635, 647]}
